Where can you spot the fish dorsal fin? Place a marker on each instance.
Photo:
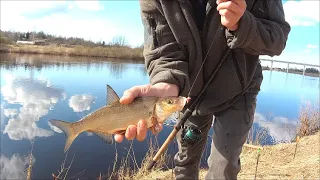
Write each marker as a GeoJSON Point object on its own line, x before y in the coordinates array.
{"type": "Point", "coordinates": [104, 136]}
{"type": "Point", "coordinates": [111, 95]}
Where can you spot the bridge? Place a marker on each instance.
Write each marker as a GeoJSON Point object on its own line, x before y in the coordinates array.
{"type": "Point", "coordinates": [288, 63]}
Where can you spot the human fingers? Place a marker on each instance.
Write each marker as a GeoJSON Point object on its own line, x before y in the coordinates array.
{"type": "Point", "coordinates": [229, 5]}
{"type": "Point", "coordinates": [130, 94]}
{"type": "Point", "coordinates": [165, 89]}
{"type": "Point", "coordinates": [141, 130]}
{"type": "Point", "coordinates": [118, 137]}
{"type": "Point", "coordinates": [229, 19]}
{"type": "Point", "coordinates": [231, 16]}
{"type": "Point", "coordinates": [220, 1]}
{"type": "Point", "coordinates": [131, 132]}
{"type": "Point", "coordinates": [241, 3]}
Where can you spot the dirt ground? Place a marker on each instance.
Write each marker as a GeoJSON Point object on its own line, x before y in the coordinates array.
{"type": "Point", "coordinates": [275, 162]}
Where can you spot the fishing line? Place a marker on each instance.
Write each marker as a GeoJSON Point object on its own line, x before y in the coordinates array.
{"type": "Point", "coordinates": [188, 112]}
{"type": "Point", "coordinates": [204, 60]}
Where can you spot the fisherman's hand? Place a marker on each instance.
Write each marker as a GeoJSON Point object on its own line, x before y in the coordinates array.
{"type": "Point", "coordinates": [231, 11]}
{"type": "Point", "coordinates": [160, 90]}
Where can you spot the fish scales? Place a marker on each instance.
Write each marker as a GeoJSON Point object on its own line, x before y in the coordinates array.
{"type": "Point", "coordinates": [116, 116]}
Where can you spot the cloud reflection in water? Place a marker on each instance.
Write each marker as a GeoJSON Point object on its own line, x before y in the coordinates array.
{"type": "Point", "coordinates": [80, 103]}
{"type": "Point", "coordinates": [281, 129]}
{"type": "Point", "coordinates": [37, 97]}
{"type": "Point", "coordinates": [14, 167]}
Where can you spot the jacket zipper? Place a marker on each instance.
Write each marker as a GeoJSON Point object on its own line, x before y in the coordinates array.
{"type": "Point", "coordinates": [239, 74]}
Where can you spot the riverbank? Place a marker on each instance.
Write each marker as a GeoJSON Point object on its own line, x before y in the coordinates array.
{"type": "Point", "coordinates": [275, 162]}
{"type": "Point", "coordinates": [107, 51]}
{"type": "Point", "coordinates": [118, 52]}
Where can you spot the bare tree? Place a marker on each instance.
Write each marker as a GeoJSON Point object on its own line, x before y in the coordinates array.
{"type": "Point", "coordinates": [119, 41]}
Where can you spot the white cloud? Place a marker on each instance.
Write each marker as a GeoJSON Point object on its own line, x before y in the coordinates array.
{"type": "Point", "coordinates": [89, 134]}
{"type": "Point", "coordinates": [54, 128]}
{"type": "Point", "coordinates": [281, 129]}
{"type": "Point", "coordinates": [10, 112]}
{"type": "Point", "coordinates": [13, 168]}
{"type": "Point", "coordinates": [312, 46]}
{"type": "Point", "coordinates": [302, 13]}
{"type": "Point", "coordinates": [36, 98]}
{"type": "Point", "coordinates": [62, 19]}
{"type": "Point", "coordinates": [80, 103]}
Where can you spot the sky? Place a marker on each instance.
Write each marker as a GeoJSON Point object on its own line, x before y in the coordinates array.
{"type": "Point", "coordinates": [103, 20]}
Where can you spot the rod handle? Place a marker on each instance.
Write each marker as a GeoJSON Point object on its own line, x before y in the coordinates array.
{"type": "Point", "coordinates": [163, 148]}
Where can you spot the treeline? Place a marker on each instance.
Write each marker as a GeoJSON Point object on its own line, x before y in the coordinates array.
{"type": "Point", "coordinates": [308, 70]}
{"type": "Point", "coordinates": [9, 37]}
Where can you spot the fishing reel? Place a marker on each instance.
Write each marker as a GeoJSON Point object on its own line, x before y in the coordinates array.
{"type": "Point", "coordinates": [190, 135]}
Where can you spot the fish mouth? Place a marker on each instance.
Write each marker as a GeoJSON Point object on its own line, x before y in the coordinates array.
{"type": "Point", "coordinates": [182, 102]}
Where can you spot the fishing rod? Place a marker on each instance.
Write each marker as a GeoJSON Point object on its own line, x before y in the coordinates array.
{"type": "Point", "coordinates": [188, 112]}
{"type": "Point", "coordinates": [186, 115]}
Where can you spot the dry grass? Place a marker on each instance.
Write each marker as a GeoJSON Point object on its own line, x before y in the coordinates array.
{"type": "Point", "coordinates": [107, 51]}
{"type": "Point", "coordinates": [257, 136]}
{"type": "Point", "coordinates": [275, 162]}
{"type": "Point", "coordinates": [126, 172]}
{"type": "Point", "coordinates": [309, 120]}
{"type": "Point", "coordinates": [64, 170]}
{"type": "Point", "coordinates": [295, 160]}
{"type": "Point", "coordinates": [31, 162]}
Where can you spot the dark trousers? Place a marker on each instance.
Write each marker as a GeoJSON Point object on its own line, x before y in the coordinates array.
{"type": "Point", "coordinates": [230, 129]}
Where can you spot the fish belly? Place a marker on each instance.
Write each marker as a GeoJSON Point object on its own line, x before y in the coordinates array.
{"type": "Point", "coordinates": [116, 119]}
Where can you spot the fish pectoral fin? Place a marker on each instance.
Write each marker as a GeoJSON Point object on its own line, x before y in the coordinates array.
{"type": "Point", "coordinates": [112, 96]}
{"type": "Point", "coordinates": [106, 137]}
{"type": "Point", "coordinates": [154, 129]}
{"type": "Point", "coordinates": [154, 121]}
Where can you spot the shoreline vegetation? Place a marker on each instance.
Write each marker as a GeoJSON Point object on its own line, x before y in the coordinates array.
{"type": "Point", "coordinates": [117, 52]}
{"type": "Point", "coordinates": [42, 43]}
{"type": "Point", "coordinates": [297, 159]}
{"type": "Point", "coordinates": [118, 48]}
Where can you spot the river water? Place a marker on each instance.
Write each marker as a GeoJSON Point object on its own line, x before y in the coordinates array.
{"type": "Point", "coordinates": [37, 88]}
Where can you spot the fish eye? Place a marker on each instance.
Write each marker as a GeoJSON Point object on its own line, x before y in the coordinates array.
{"type": "Point", "coordinates": [169, 101]}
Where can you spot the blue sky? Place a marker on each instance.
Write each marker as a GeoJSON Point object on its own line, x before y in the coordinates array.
{"type": "Point", "coordinates": [103, 20]}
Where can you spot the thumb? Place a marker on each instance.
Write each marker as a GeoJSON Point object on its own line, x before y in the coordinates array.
{"type": "Point", "coordinates": [129, 95]}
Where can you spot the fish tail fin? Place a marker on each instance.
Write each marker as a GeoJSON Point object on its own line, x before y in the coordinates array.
{"type": "Point", "coordinates": [67, 129]}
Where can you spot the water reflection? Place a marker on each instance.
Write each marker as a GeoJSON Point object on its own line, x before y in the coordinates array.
{"type": "Point", "coordinates": [10, 113]}
{"type": "Point", "coordinates": [115, 67]}
{"type": "Point", "coordinates": [36, 98]}
{"type": "Point", "coordinates": [80, 103]}
{"type": "Point", "coordinates": [14, 167]}
{"type": "Point", "coordinates": [36, 88]}
{"type": "Point", "coordinates": [280, 129]}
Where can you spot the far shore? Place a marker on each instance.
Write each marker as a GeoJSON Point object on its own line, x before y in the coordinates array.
{"type": "Point", "coordinates": [76, 50]}
{"type": "Point", "coordinates": [113, 52]}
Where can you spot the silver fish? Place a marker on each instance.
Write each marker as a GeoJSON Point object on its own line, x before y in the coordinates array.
{"type": "Point", "coordinates": [116, 117]}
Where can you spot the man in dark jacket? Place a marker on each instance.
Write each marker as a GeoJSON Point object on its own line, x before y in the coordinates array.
{"type": "Point", "coordinates": [185, 40]}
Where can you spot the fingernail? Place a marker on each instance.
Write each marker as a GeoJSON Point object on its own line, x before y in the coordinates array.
{"type": "Point", "coordinates": [141, 125]}
{"type": "Point", "coordinates": [131, 131]}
